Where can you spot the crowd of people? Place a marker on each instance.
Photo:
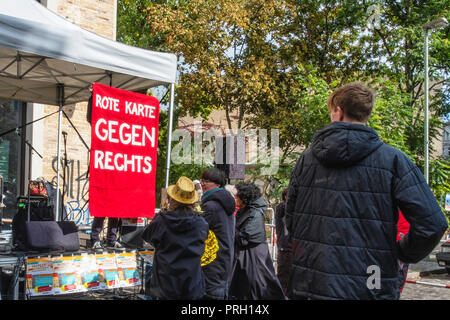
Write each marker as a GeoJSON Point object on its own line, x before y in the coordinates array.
{"type": "Point", "coordinates": [212, 247]}
{"type": "Point", "coordinates": [337, 226]}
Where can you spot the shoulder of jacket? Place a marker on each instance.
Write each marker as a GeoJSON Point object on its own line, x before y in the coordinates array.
{"type": "Point", "coordinates": [305, 159]}
{"type": "Point", "coordinates": [255, 211]}
{"type": "Point", "coordinates": [401, 163]}
{"type": "Point", "coordinates": [210, 204]}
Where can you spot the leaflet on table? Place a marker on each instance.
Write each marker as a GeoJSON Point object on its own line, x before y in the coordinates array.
{"type": "Point", "coordinates": [66, 275]}
{"type": "Point", "coordinates": [90, 276]}
{"type": "Point", "coordinates": [107, 268]}
{"type": "Point", "coordinates": [127, 267]}
{"type": "Point", "coordinates": [147, 256]}
{"type": "Point", "coordinates": [39, 276]}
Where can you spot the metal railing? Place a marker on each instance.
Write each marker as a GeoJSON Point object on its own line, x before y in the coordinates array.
{"type": "Point", "coordinates": [271, 225]}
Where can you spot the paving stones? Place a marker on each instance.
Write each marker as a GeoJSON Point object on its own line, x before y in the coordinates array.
{"type": "Point", "coordinates": [414, 291]}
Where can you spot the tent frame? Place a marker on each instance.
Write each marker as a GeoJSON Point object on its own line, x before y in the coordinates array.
{"type": "Point", "coordinates": [46, 59]}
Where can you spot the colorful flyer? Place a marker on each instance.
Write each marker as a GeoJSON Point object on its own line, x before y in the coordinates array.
{"type": "Point", "coordinates": [66, 279]}
{"type": "Point", "coordinates": [90, 275]}
{"type": "Point", "coordinates": [147, 256]}
{"type": "Point", "coordinates": [39, 277]}
{"type": "Point", "coordinates": [107, 268]}
{"type": "Point", "coordinates": [127, 267]}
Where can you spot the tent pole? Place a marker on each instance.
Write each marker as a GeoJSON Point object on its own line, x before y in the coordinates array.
{"type": "Point", "coordinates": [61, 104]}
{"type": "Point", "coordinates": [169, 135]}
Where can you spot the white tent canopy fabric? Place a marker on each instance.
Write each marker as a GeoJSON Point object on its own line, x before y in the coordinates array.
{"type": "Point", "coordinates": [40, 50]}
{"type": "Point", "coordinates": [46, 59]}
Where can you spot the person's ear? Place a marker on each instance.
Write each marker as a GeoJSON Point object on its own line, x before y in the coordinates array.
{"type": "Point", "coordinates": [340, 114]}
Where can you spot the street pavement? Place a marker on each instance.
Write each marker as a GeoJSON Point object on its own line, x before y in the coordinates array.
{"type": "Point", "coordinates": [427, 271]}
{"type": "Point", "coordinates": [414, 291]}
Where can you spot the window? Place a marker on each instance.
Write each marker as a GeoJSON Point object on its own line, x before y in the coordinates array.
{"type": "Point", "coordinates": [11, 154]}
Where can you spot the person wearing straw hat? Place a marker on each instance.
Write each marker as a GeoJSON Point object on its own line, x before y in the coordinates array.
{"type": "Point", "coordinates": [178, 235]}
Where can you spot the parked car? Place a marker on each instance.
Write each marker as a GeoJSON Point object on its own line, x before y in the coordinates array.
{"type": "Point", "coordinates": [443, 256]}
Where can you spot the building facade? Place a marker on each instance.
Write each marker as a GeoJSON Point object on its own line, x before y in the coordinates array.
{"type": "Point", "coordinates": [100, 17]}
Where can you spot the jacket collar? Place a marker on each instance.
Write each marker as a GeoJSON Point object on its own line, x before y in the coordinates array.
{"type": "Point", "coordinates": [210, 192]}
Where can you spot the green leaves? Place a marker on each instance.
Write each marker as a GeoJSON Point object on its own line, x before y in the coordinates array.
{"type": "Point", "coordinates": [439, 173]}
{"type": "Point", "coordinates": [273, 63]}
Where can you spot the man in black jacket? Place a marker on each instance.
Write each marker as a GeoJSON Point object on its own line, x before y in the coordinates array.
{"type": "Point", "coordinates": [342, 209]}
{"type": "Point", "coordinates": [218, 207]}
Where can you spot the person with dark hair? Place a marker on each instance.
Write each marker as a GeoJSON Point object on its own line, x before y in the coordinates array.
{"type": "Point", "coordinates": [218, 207]}
{"type": "Point", "coordinates": [214, 175]}
{"type": "Point", "coordinates": [284, 245]}
{"type": "Point", "coordinates": [178, 235]}
{"type": "Point", "coordinates": [253, 272]}
{"type": "Point", "coordinates": [344, 196]}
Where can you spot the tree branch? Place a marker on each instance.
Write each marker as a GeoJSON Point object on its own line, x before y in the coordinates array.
{"type": "Point", "coordinates": [383, 39]}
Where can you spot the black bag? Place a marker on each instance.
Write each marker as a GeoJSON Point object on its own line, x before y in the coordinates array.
{"type": "Point", "coordinates": [47, 236]}
{"type": "Point", "coordinates": [39, 211]}
{"type": "Point", "coordinates": [131, 237]}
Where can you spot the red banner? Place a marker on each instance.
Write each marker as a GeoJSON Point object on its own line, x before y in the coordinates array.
{"type": "Point", "coordinates": [124, 142]}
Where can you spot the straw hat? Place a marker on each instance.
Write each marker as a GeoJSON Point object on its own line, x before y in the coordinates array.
{"type": "Point", "coordinates": [183, 191]}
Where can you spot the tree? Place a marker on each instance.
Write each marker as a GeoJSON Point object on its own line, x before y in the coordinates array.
{"type": "Point", "coordinates": [274, 63]}
{"type": "Point", "coordinates": [133, 27]}
{"type": "Point", "coordinates": [333, 41]}
{"type": "Point", "coordinates": [226, 51]}
{"type": "Point", "coordinates": [397, 46]}
{"type": "Point", "coordinates": [192, 171]}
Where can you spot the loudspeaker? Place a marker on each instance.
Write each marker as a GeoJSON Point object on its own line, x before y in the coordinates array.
{"type": "Point", "coordinates": [39, 211]}
{"type": "Point", "coordinates": [230, 156]}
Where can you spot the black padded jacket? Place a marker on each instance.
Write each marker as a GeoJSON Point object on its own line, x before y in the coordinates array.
{"type": "Point", "coordinates": [342, 212]}
{"type": "Point", "coordinates": [179, 241]}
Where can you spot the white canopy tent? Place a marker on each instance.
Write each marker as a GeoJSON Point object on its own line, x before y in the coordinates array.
{"type": "Point", "coordinates": [46, 59]}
